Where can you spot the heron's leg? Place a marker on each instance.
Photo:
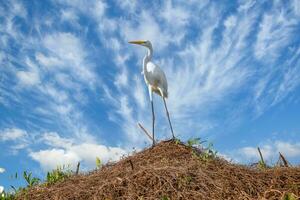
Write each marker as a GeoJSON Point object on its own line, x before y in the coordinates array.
{"type": "Point", "coordinates": [153, 115]}
{"type": "Point", "coordinates": [153, 120]}
{"type": "Point", "coordinates": [168, 117]}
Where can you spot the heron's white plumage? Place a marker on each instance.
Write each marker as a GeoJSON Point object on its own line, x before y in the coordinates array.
{"type": "Point", "coordinates": [155, 78]}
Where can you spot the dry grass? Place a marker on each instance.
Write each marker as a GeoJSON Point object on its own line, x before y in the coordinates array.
{"type": "Point", "coordinates": [173, 171]}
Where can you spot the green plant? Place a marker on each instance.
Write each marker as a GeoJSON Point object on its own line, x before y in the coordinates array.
{"type": "Point", "coordinates": [289, 196]}
{"type": "Point", "coordinates": [184, 180]}
{"type": "Point", "coordinates": [11, 195]}
{"type": "Point", "coordinates": [204, 153]}
{"type": "Point", "coordinates": [98, 163]}
{"type": "Point", "coordinates": [31, 181]}
{"type": "Point", "coordinates": [17, 190]}
{"type": "Point", "coordinates": [177, 141]}
{"type": "Point", "coordinates": [209, 152]}
{"type": "Point", "coordinates": [7, 196]}
{"type": "Point", "coordinates": [194, 141]}
{"type": "Point", "coordinates": [262, 165]}
{"type": "Point", "coordinates": [58, 174]}
{"type": "Point", "coordinates": [165, 198]}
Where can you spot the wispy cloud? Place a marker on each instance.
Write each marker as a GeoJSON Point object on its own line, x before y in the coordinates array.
{"type": "Point", "coordinates": [17, 137]}
{"type": "Point", "coordinates": [276, 31]}
{"type": "Point", "coordinates": [276, 81]}
{"type": "Point", "coordinates": [30, 76]}
{"type": "Point", "coordinates": [12, 134]}
{"type": "Point", "coordinates": [94, 9]}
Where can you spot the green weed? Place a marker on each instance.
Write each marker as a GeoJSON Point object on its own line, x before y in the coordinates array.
{"type": "Point", "coordinates": [58, 174]}
{"type": "Point", "coordinates": [209, 152]}
{"type": "Point", "coordinates": [98, 163]}
{"type": "Point", "coordinates": [194, 142]}
{"type": "Point", "coordinates": [30, 180]}
{"type": "Point", "coordinates": [204, 153]}
{"type": "Point", "coordinates": [165, 198]}
{"type": "Point", "coordinates": [7, 196]}
{"type": "Point", "coordinates": [289, 196]}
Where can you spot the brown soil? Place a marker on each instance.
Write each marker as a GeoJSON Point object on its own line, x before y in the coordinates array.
{"type": "Point", "coordinates": [173, 171]}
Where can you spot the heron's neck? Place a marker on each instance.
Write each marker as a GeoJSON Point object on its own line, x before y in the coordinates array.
{"type": "Point", "coordinates": [147, 58]}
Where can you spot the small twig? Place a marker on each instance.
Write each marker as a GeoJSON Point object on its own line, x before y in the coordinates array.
{"type": "Point", "coordinates": [145, 131]}
{"type": "Point", "coordinates": [285, 162]}
{"type": "Point", "coordinates": [131, 164]}
{"type": "Point", "coordinates": [77, 168]}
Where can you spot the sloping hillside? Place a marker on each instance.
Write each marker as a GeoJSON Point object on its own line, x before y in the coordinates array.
{"type": "Point", "coordinates": [173, 171]}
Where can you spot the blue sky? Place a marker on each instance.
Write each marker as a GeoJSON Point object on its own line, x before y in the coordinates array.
{"type": "Point", "coordinates": [71, 86]}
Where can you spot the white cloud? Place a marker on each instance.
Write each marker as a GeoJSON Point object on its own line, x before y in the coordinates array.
{"type": "Point", "coordinates": [88, 152]}
{"type": "Point", "coordinates": [95, 9]}
{"type": "Point", "coordinates": [149, 29]}
{"type": "Point", "coordinates": [66, 73]}
{"type": "Point", "coordinates": [48, 61]}
{"type": "Point", "coordinates": [9, 27]}
{"type": "Point", "coordinates": [225, 156]}
{"type": "Point", "coordinates": [2, 170]}
{"type": "Point", "coordinates": [252, 152]}
{"type": "Point", "coordinates": [1, 189]}
{"type": "Point", "coordinates": [54, 140]}
{"type": "Point", "coordinates": [230, 22]}
{"type": "Point", "coordinates": [69, 15]}
{"type": "Point", "coordinates": [139, 92]}
{"type": "Point", "coordinates": [12, 134]}
{"type": "Point", "coordinates": [18, 9]}
{"type": "Point", "coordinates": [207, 74]}
{"type": "Point", "coordinates": [67, 152]}
{"type": "Point", "coordinates": [288, 149]}
{"type": "Point", "coordinates": [270, 151]}
{"type": "Point", "coordinates": [175, 15]}
{"type": "Point", "coordinates": [50, 159]}
{"type": "Point", "coordinates": [296, 7]}
{"type": "Point", "coordinates": [290, 78]}
{"type": "Point", "coordinates": [30, 77]}
{"type": "Point", "coordinates": [246, 5]}
{"type": "Point", "coordinates": [121, 79]}
{"type": "Point", "coordinates": [18, 137]}
{"type": "Point", "coordinates": [67, 52]}
{"type": "Point", "coordinates": [275, 33]}
{"type": "Point", "coordinates": [55, 94]}
{"type": "Point", "coordinates": [128, 5]}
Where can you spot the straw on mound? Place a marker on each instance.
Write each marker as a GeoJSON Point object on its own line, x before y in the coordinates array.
{"type": "Point", "coordinates": [172, 171]}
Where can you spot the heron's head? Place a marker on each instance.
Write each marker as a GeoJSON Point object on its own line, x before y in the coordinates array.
{"type": "Point", "coordinates": [145, 43]}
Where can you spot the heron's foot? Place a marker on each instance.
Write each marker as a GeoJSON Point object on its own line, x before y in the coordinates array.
{"type": "Point", "coordinates": [175, 140]}
{"type": "Point", "coordinates": [153, 143]}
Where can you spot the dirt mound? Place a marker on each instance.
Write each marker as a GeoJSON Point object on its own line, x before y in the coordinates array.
{"type": "Point", "coordinates": [174, 171]}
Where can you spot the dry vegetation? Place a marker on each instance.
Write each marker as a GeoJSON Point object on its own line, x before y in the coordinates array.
{"type": "Point", "coordinates": [172, 170]}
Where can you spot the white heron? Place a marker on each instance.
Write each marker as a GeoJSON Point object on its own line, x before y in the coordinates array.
{"type": "Point", "coordinates": [156, 81]}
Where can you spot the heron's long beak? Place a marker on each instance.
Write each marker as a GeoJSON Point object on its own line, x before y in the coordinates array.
{"type": "Point", "coordinates": [140, 42]}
